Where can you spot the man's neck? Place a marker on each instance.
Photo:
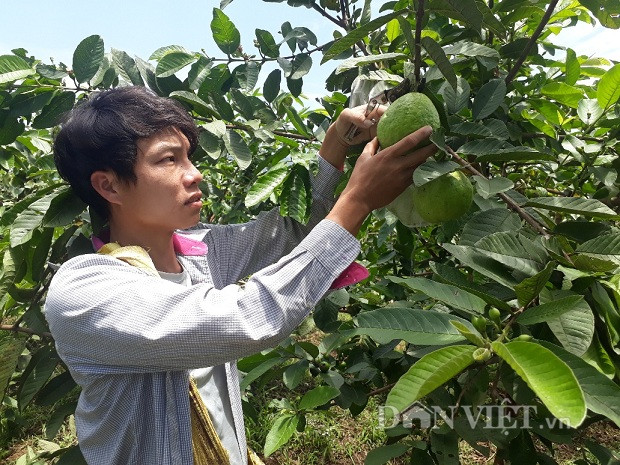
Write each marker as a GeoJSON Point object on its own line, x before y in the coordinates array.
{"type": "Point", "coordinates": [159, 245]}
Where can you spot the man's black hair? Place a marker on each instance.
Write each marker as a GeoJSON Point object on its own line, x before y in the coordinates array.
{"type": "Point", "coordinates": [102, 134]}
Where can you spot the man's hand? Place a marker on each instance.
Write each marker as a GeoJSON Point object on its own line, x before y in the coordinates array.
{"type": "Point", "coordinates": [335, 145]}
{"type": "Point", "coordinates": [379, 177]}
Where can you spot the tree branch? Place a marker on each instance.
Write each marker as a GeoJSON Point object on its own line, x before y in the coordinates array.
{"type": "Point", "coordinates": [31, 332]}
{"type": "Point", "coordinates": [323, 12]}
{"type": "Point", "coordinates": [417, 60]}
{"type": "Point", "coordinates": [543, 22]}
{"type": "Point", "coordinates": [511, 203]}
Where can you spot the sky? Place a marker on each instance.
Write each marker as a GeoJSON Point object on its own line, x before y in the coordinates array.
{"type": "Point", "coordinates": [53, 28]}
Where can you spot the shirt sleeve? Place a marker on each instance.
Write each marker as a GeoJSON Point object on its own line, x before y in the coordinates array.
{"type": "Point", "coordinates": [245, 248]}
{"type": "Point", "coordinates": [109, 317]}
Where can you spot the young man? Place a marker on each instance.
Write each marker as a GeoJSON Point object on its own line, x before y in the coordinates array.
{"type": "Point", "coordinates": [133, 329]}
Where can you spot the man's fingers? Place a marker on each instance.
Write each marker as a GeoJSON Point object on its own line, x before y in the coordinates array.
{"type": "Point", "coordinates": [415, 159]}
{"type": "Point", "coordinates": [406, 144]}
{"type": "Point", "coordinates": [371, 148]}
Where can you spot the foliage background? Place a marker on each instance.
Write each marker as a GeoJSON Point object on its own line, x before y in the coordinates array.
{"type": "Point", "coordinates": [536, 130]}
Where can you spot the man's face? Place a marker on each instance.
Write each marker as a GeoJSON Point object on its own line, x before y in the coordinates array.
{"type": "Point", "coordinates": [166, 195]}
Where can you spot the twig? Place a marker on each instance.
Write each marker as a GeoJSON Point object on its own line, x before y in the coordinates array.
{"type": "Point", "coordinates": [337, 21]}
{"type": "Point", "coordinates": [387, 387]}
{"type": "Point", "coordinates": [511, 203]}
{"type": "Point", "coordinates": [29, 331]}
{"type": "Point", "coordinates": [417, 59]}
{"type": "Point", "coordinates": [543, 22]}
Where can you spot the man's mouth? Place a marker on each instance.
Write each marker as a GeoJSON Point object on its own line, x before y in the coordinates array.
{"type": "Point", "coordinates": [197, 197]}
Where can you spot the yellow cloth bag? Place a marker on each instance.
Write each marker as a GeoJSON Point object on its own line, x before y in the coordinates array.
{"type": "Point", "coordinates": [206, 444]}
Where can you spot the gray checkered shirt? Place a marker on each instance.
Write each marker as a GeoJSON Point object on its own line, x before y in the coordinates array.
{"type": "Point", "coordinates": [130, 339]}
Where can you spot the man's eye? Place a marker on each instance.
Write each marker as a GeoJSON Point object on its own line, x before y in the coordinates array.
{"type": "Point", "coordinates": [167, 159]}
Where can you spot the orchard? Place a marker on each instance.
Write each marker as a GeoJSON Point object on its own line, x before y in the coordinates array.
{"type": "Point", "coordinates": [496, 332]}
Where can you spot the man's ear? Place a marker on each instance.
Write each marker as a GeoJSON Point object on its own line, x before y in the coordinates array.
{"type": "Point", "coordinates": [106, 184]}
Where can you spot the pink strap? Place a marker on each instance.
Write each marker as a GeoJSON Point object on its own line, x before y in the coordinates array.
{"type": "Point", "coordinates": [353, 274]}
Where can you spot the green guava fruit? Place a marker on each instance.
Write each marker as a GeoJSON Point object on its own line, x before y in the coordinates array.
{"type": "Point", "coordinates": [406, 115]}
{"type": "Point", "coordinates": [444, 198]}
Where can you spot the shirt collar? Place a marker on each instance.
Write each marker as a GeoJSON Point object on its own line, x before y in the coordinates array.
{"type": "Point", "coordinates": [182, 245]}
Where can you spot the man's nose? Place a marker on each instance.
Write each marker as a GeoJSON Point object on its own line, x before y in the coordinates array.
{"type": "Point", "coordinates": [193, 175]}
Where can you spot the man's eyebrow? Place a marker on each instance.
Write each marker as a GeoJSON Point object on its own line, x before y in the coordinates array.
{"type": "Point", "coordinates": [163, 147]}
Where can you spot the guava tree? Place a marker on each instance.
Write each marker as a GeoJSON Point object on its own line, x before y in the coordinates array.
{"type": "Point", "coordinates": [509, 313]}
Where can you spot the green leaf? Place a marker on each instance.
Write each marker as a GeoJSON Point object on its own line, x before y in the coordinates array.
{"type": "Point", "coordinates": [606, 11]}
{"type": "Point", "coordinates": [453, 276]}
{"type": "Point", "coordinates": [56, 389]}
{"type": "Point", "coordinates": [198, 72]}
{"type": "Point", "coordinates": [13, 68]}
{"type": "Point", "coordinates": [470, 334]}
{"type": "Point", "coordinates": [487, 188]}
{"type": "Point", "coordinates": [224, 32]}
{"type": "Point", "coordinates": [514, 49]}
{"type": "Point", "coordinates": [441, 60]}
{"type": "Point", "coordinates": [237, 147]}
{"type": "Point", "coordinates": [548, 376]}
{"type": "Point", "coordinates": [570, 319]}
{"type": "Point", "coordinates": [346, 42]}
{"type": "Point", "coordinates": [428, 373]}
{"type": "Point", "coordinates": [446, 293]}
{"type": "Point", "coordinates": [602, 395]}
{"type": "Point", "coordinates": [10, 128]}
{"type": "Point", "coordinates": [528, 289]}
{"type": "Point", "coordinates": [365, 60]}
{"type": "Point", "coordinates": [9, 216]}
{"type": "Point", "coordinates": [493, 269]}
{"type": "Point", "coordinates": [489, 98]}
{"type": "Point", "coordinates": [36, 374]}
{"type": "Point", "coordinates": [294, 374]}
{"type": "Point", "coordinates": [265, 185]}
{"type": "Point", "coordinates": [39, 257]}
{"type": "Point", "coordinates": [607, 245]}
{"type": "Point", "coordinates": [173, 62]}
{"type": "Point", "coordinates": [11, 348]}
{"type": "Point", "coordinates": [296, 195]}
{"type": "Point", "coordinates": [514, 250]}
{"type": "Point", "coordinates": [563, 93]}
{"type": "Point", "coordinates": [589, 111]}
{"type": "Point", "coordinates": [297, 121]}
{"type": "Point", "coordinates": [318, 396]}
{"type": "Point", "coordinates": [87, 58]}
{"type": "Point", "coordinates": [271, 88]}
{"type": "Point", "coordinates": [382, 455]}
{"type": "Point", "coordinates": [73, 455]}
{"type": "Point", "coordinates": [200, 106]}
{"type": "Point", "coordinates": [28, 220]}
{"type": "Point", "coordinates": [260, 370]}
{"type": "Point", "coordinates": [573, 68]}
{"type": "Point", "coordinates": [282, 430]}
{"type": "Point", "coordinates": [422, 327]}
{"type": "Point", "coordinates": [471, 49]}
{"type": "Point", "coordinates": [63, 209]}
{"type": "Point", "coordinates": [163, 51]}
{"type": "Point", "coordinates": [127, 67]}
{"type": "Point", "coordinates": [456, 100]}
{"type": "Point", "coordinates": [222, 106]}
{"type": "Point", "coordinates": [54, 112]}
{"type": "Point", "coordinates": [462, 10]}
{"type": "Point", "coordinates": [516, 154]}
{"type": "Point", "coordinates": [578, 205]}
{"type": "Point", "coordinates": [267, 43]}
{"type": "Point", "coordinates": [490, 20]}
{"type": "Point", "coordinates": [432, 169]}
